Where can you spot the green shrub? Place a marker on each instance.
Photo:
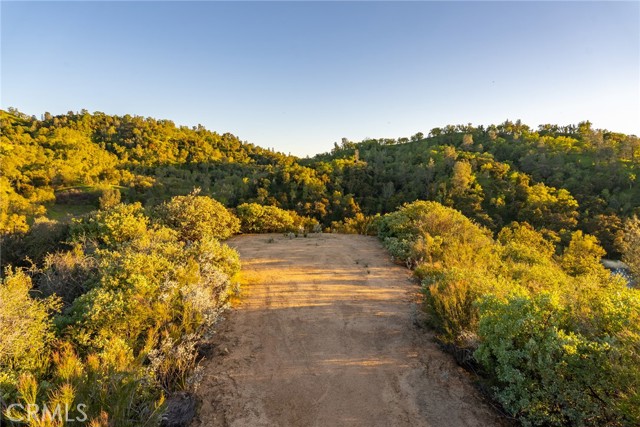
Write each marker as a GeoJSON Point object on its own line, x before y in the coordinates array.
{"type": "Point", "coordinates": [450, 299]}
{"type": "Point", "coordinates": [522, 244]}
{"type": "Point", "coordinates": [67, 274]}
{"type": "Point", "coordinates": [547, 370]}
{"type": "Point", "coordinates": [142, 296]}
{"type": "Point", "coordinates": [174, 363]}
{"type": "Point", "coordinates": [583, 255]}
{"type": "Point", "coordinates": [111, 228]}
{"type": "Point", "coordinates": [631, 246]}
{"type": "Point", "coordinates": [527, 258]}
{"type": "Point", "coordinates": [111, 383]}
{"type": "Point", "coordinates": [196, 217]}
{"type": "Point", "coordinates": [110, 197]}
{"type": "Point", "coordinates": [211, 255]}
{"type": "Point", "coordinates": [358, 224]}
{"type": "Point", "coordinates": [45, 236]}
{"type": "Point", "coordinates": [558, 337]}
{"type": "Point", "coordinates": [25, 329]}
{"type": "Point", "coordinates": [255, 218]}
{"type": "Point", "coordinates": [427, 232]}
{"type": "Point", "coordinates": [451, 256]}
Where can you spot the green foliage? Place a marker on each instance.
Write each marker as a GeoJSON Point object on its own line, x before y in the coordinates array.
{"type": "Point", "coordinates": [110, 387]}
{"type": "Point", "coordinates": [67, 274]}
{"type": "Point", "coordinates": [13, 209]}
{"type": "Point", "coordinates": [583, 255]}
{"type": "Point", "coordinates": [139, 300]}
{"type": "Point", "coordinates": [522, 244]}
{"type": "Point", "coordinates": [25, 328]}
{"type": "Point", "coordinates": [548, 208]}
{"type": "Point", "coordinates": [44, 236]}
{"type": "Point", "coordinates": [210, 253]}
{"type": "Point", "coordinates": [110, 197]}
{"type": "Point", "coordinates": [112, 228]}
{"type": "Point", "coordinates": [451, 255]}
{"type": "Point", "coordinates": [359, 224]}
{"type": "Point", "coordinates": [557, 179]}
{"type": "Point", "coordinates": [547, 370]}
{"type": "Point", "coordinates": [631, 246]}
{"type": "Point", "coordinates": [427, 232]}
{"type": "Point", "coordinates": [450, 300]}
{"type": "Point", "coordinates": [557, 337]}
{"type": "Point", "coordinates": [255, 218]}
{"type": "Point", "coordinates": [197, 217]}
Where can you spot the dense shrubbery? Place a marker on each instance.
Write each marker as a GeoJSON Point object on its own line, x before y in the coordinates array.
{"type": "Point", "coordinates": [50, 164]}
{"type": "Point", "coordinates": [256, 218]}
{"type": "Point", "coordinates": [25, 328]}
{"type": "Point", "coordinates": [196, 217]}
{"type": "Point", "coordinates": [558, 336]}
{"type": "Point", "coordinates": [140, 294]}
{"type": "Point", "coordinates": [428, 233]}
{"type": "Point", "coordinates": [554, 361]}
{"type": "Point", "coordinates": [358, 224]}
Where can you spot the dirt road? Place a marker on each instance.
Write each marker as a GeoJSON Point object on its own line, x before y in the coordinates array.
{"type": "Point", "coordinates": [323, 336]}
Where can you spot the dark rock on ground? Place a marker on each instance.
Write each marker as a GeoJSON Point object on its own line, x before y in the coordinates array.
{"type": "Point", "coordinates": [181, 408]}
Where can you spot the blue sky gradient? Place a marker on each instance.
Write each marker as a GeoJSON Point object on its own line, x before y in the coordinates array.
{"type": "Point", "coordinates": [298, 76]}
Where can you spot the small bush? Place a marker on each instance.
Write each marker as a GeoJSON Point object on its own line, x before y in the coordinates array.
{"type": "Point", "coordinates": [116, 226]}
{"type": "Point", "coordinates": [67, 274]}
{"type": "Point", "coordinates": [358, 224]}
{"type": "Point", "coordinates": [110, 197]}
{"type": "Point", "coordinates": [175, 364]}
{"type": "Point", "coordinates": [450, 299]}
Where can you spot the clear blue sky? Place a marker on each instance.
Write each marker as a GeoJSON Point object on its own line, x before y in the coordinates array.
{"type": "Point", "coordinates": [299, 76]}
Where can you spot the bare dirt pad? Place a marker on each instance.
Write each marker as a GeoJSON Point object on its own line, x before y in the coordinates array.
{"type": "Point", "coordinates": [323, 336]}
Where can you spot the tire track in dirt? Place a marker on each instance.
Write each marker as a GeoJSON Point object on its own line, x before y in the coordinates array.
{"type": "Point", "coordinates": [323, 336]}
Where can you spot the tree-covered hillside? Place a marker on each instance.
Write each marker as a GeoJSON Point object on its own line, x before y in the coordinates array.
{"type": "Point", "coordinates": [69, 160]}
{"type": "Point", "coordinates": [558, 178]}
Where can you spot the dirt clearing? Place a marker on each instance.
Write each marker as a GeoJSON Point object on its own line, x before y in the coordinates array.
{"type": "Point", "coordinates": [324, 336]}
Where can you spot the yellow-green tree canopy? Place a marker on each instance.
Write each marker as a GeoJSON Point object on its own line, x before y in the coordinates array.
{"type": "Point", "coordinates": [196, 217]}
